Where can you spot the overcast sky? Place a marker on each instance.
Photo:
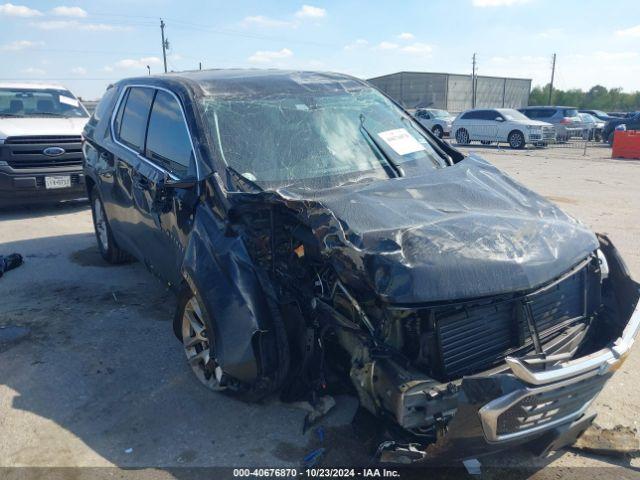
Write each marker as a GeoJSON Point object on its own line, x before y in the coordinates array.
{"type": "Point", "coordinates": [87, 44]}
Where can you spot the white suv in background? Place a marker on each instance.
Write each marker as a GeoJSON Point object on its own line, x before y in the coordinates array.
{"type": "Point", "coordinates": [500, 125]}
{"type": "Point", "coordinates": [437, 121]}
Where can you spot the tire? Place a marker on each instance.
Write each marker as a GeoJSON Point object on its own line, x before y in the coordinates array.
{"type": "Point", "coordinates": [462, 136]}
{"type": "Point", "coordinates": [438, 131]}
{"type": "Point", "coordinates": [109, 249]}
{"type": "Point", "coordinates": [516, 140]}
{"type": "Point", "coordinates": [195, 327]}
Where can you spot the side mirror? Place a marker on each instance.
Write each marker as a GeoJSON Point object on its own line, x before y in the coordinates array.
{"type": "Point", "coordinates": [182, 183]}
{"type": "Point", "coordinates": [499, 119]}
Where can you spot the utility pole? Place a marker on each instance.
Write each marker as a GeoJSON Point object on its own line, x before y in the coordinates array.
{"type": "Point", "coordinates": [553, 73]}
{"type": "Point", "coordinates": [199, 65]}
{"type": "Point", "coordinates": [149, 69]}
{"type": "Point", "coordinates": [165, 45]}
{"type": "Point", "coordinates": [473, 83]}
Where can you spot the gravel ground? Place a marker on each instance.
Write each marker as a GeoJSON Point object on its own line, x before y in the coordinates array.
{"type": "Point", "coordinates": [98, 380]}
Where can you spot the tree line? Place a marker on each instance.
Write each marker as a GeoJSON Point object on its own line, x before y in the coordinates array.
{"type": "Point", "coordinates": [596, 98]}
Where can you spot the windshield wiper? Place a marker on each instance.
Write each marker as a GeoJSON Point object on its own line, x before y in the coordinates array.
{"type": "Point", "coordinates": [48, 114]}
{"type": "Point", "coordinates": [239, 178]}
{"type": "Point", "coordinates": [11, 115]}
{"type": "Point", "coordinates": [390, 165]}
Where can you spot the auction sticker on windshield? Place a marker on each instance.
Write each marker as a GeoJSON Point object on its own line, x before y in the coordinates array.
{"type": "Point", "coordinates": [401, 141]}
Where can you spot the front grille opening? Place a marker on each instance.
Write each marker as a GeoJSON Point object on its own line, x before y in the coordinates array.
{"type": "Point", "coordinates": [43, 139]}
{"type": "Point", "coordinates": [451, 342]}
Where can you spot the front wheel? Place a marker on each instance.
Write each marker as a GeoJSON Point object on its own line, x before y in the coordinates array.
{"type": "Point", "coordinates": [196, 327]}
{"type": "Point", "coordinates": [198, 343]}
{"type": "Point", "coordinates": [437, 131]}
{"type": "Point", "coordinates": [516, 140]}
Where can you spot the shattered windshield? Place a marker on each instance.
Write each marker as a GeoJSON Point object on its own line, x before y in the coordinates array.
{"type": "Point", "coordinates": [317, 140]}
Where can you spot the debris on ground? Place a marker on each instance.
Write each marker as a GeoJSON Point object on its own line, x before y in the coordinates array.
{"type": "Point", "coordinates": [312, 458]}
{"type": "Point", "coordinates": [473, 466]}
{"type": "Point", "coordinates": [9, 262]}
{"type": "Point", "coordinates": [618, 441]}
{"type": "Point", "coordinates": [316, 411]}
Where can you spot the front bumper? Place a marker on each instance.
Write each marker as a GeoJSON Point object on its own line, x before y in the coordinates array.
{"type": "Point", "coordinates": [17, 188]}
{"type": "Point", "coordinates": [540, 401]}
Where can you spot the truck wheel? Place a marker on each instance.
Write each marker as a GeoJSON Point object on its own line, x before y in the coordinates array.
{"type": "Point", "coordinates": [516, 140]}
{"type": "Point", "coordinates": [195, 327]}
{"type": "Point", "coordinates": [107, 245]}
{"type": "Point", "coordinates": [437, 131]}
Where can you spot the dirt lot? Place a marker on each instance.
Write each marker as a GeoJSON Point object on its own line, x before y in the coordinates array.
{"type": "Point", "coordinates": [98, 379]}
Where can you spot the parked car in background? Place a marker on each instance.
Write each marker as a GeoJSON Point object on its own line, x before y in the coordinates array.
{"type": "Point", "coordinates": [500, 125]}
{"type": "Point", "coordinates": [599, 114]}
{"type": "Point", "coordinates": [437, 121]}
{"type": "Point", "coordinates": [630, 123]}
{"type": "Point", "coordinates": [565, 120]}
{"type": "Point", "coordinates": [592, 127]}
{"type": "Point", "coordinates": [313, 230]}
{"type": "Point", "coordinates": [40, 143]}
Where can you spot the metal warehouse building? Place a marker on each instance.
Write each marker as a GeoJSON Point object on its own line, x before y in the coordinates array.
{"type": "Point", "coordinates": [452, 92]}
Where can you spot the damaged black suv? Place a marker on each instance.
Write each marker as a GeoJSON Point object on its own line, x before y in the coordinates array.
{"type": "Point", "coordinates": [314, 231]}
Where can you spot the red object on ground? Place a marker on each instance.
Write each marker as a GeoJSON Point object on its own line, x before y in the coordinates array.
{"type": "Point", "coordinates": [626, 144]}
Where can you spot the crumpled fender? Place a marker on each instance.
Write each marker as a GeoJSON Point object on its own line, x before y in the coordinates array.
{"type": "Point", "coordinates": [217, 265]}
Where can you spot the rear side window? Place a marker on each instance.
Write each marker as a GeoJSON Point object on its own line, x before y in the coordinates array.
{"type": "Point", "coordinates": [133, 124]}
{"type": "Point", "coordinates": [168, 142]}
{"type": "Point", "coordinates": [570, 112]}
{"type": "Point", "coordinates": [545, 113]}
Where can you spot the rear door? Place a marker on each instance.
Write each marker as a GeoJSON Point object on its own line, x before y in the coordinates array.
{"type": "Point", "coordinates": [165, 212]}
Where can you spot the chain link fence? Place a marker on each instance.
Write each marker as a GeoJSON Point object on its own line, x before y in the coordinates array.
{"type": "Point", "coordinates": [495, 134]}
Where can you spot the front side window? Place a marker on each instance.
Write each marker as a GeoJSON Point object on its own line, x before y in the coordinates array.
{"type": "Point", "coordinates": [513, 115]}
{"type": "Point", "coordinates": [133, 124]}
{"type": "Point", "coordinates": [168, 142]}
{"type": "Point", "coordinates": [316, 139]}
{"type": "Point", "coordinates": [32, 102]}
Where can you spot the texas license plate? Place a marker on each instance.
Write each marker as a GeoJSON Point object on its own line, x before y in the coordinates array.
{"type": "Point", "coordinates": [59, 181]}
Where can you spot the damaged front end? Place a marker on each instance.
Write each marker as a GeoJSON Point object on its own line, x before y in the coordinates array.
{"type": "Point", "coordinates": [461, 378]}
{"type": "Point", "coordinates": [528, 382]}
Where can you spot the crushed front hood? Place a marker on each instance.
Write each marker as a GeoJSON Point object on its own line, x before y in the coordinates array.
{"type": "Point", "coordinates": [461, 232]}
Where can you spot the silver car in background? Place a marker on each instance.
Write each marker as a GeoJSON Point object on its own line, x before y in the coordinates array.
{"type": "Point", "coordinates": [435, 120]}
{"type": "Point", "coordinates": [565, 120]}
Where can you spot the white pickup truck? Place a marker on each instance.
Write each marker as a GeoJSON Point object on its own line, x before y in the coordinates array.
{"type": "Point", "coordinates": [40, 143]}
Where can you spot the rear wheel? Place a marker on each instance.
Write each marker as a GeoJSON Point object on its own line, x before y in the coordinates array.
{"type": "Point", "coordinates": [516, 140]}
{"type": "Point", "coordinates": [462, 137]}
{"type": "Point", "coordinates": [107, 245]}
{"type": "Point", "coordinates": [437, 131]}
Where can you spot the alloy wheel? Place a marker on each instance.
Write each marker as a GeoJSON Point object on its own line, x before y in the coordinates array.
{"type": "Point", "coordinates": [517, 140]}
{"type": "Point", "coordinates": [197, 341]}
{"type": "Point", "coordinates": [101, 224]}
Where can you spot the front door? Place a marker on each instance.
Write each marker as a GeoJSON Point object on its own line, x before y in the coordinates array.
{"type": "Point", "coordinates": [165, 212]}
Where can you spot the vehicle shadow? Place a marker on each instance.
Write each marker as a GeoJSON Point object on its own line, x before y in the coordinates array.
{"type": "Point", "coordinates": [98, 379]}
{"type": "Point", "coordinates": [37, 210]}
